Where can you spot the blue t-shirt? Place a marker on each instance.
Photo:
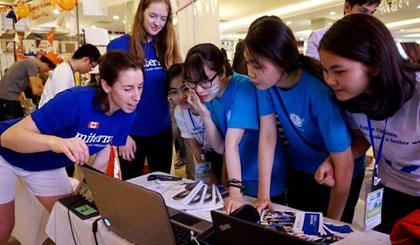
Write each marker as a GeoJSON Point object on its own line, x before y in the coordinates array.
{"type": "Point", "coordinates": [237, 108]}
{"type": "Point", "coordinates": [153, 109]}
{"type": "Point", "coordinates": [70, 114]}
{"type": "Point", "coordinates": [313, 122]}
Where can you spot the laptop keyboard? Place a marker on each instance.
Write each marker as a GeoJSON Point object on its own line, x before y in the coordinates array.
{"type": "Point", "coordinates": [181, 234]}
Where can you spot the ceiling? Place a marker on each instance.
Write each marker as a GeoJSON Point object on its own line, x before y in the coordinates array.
{"type": "Point", "coordinates": [236, 15]}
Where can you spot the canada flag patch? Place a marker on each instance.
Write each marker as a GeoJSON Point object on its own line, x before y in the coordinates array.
{"type": "Point", "coordinates": [92, 124]}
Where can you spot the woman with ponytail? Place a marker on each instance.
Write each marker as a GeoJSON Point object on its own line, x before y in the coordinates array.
{"type": "Point", "coordinates": [289, 86]}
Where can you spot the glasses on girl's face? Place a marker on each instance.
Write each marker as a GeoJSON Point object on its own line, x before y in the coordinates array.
{"type": "Point", "coordinates": [205, 84]}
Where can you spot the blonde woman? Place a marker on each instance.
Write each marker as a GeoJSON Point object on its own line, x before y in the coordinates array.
{"type": "Point", "coordinates": [153, 39]}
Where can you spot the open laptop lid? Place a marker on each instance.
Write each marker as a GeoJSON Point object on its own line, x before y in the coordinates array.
{"type": "Point", "coordinates": [231, 230]}
{"type": "Point", "coordinates": [133, 212]}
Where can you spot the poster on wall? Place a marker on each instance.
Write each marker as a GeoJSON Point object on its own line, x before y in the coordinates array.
{"type": "Point", "coordinates": [40, 12]}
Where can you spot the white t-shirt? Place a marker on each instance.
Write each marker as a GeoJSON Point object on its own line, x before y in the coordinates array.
{"type": "Point", "coordinates": [313, 42]}
{"type": "Point", "coordinates": [399, 166]}
{"type": "Point", "coordinates": [60, 79]}
{"type": "Point", "coordinates": [191, 126]}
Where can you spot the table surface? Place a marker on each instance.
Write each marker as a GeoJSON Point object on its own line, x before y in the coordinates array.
{"type": "Point", "coordinates": [58, 227]}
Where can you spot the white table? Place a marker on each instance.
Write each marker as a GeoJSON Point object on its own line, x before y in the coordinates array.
{"type": "Point", "coordinates": [58, 228]}
{"type": "Point", "coordinates": [30, 216]}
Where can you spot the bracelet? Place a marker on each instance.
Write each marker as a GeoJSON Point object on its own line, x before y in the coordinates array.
{"type": "Point", "coordinates": [235, 181]}
{"type": "Point", "coordinates": [237, 185]}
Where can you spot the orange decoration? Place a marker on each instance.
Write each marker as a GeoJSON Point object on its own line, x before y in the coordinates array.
{"type": "Point", "coordinates": [66, 4]}
{"type": "Point", "coordinates": [22, 10]}
{"type": "Point", "coordinates": [53, 4]}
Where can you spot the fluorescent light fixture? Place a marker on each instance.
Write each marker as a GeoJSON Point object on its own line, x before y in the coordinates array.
{"type": "Point", "coordinates": [402, 30]}
{"type": "Point", "coordinates": [403, 23]}
{"type": "Point", "coordinates": [234, 36]}
{"type": "Point", "coordinates": [288, 22]}
{"type": "Point", "coordinates": [417, 35]}
{"type": "Point", "coordinates": [124, 21]}
{"type": "Point", "coordinates": [332, 13]}
{"type": "Point", "coordinates": [93, 27]}
{"type": "Point", "coordinates": [116, 17]}
{"type": "Point", "coordinates": [418, 6]}
{"type": "Point", "coordinates": [56, 11]}
{"type": "Point", "coordinates": [285, 12]}
{"type": "Point", "coordinates": [329, 23]}
{"type": "Point", "coordinates": [302, 38]}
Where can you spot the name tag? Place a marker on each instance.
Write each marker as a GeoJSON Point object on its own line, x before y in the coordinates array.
{"type": "Point", "coordinates": [373, 208]}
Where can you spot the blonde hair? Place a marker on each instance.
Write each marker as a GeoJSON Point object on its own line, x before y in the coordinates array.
{"type": "Point", "coordinates": [165, 42]}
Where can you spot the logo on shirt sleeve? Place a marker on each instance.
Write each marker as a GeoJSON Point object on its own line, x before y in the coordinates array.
{"type": "Point", "coordinates": [92, 124]}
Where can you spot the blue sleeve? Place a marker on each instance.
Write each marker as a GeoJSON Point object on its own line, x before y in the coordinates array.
{"type": "Point", "coordinates": [121, 43]}
{"type": "Point", "coordinates": [331, 123]}
{"type": "Point", "coordinates": [244, 112]}
{"type": "Point", "coordinates": [265, 102]}
{"type": "Point", "coordinates": [60, 113]}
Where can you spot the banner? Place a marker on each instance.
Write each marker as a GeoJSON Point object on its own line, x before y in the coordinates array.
{"type": "Point", "coordinates": [40, 12]}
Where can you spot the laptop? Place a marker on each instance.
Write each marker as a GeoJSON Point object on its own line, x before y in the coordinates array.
{"type": "Point", "coordinates": [140, 215]}
{"type": "Point", "coordinates": [232, 230]}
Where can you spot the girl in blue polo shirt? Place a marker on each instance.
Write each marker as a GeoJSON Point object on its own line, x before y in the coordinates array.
{"type": "Point", "coordinates": [289, 85]}
{"type": "Point", "coordinates": [75, 124]}
{"type": "Point", "coordinates": [228, 106]}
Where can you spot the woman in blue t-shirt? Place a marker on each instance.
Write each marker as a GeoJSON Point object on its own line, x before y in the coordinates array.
{"type": "Point", "coordinates": [227, 104]}
{"type": "Point", "coordinates": [75, 124]}
{"type": "Point", "coordinates": [289, 85]}
{"type": "Point", "coordinates": [381, 95]}
{"type": "Point", "coordinates": [153, 39]}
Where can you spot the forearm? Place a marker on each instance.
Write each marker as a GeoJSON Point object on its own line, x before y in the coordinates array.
{"type": "Point", "coordinates": [233, 165]}
{"type": "Point", "coordinates": [266, 149]}
{"type": "Point", "coordinates": [195, 147]}
{"type": "Point", "coordinates": [343, 169]}
{"type": "Point", "coordinates": [214, 136]}
{"type": "Point", "coordinates": [23, 140]}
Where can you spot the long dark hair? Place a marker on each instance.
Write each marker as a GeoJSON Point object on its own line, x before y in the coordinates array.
{"type": "Point", "coordinates": [365, 39]}
{"type": "Point", "coordinates": [110, 66]}
{"type": "Point", "coordinates": [205, 54]}
{"type": "Point", "coordinates": [239, 64]}
{"type": "Point", "coordinates": [270, 38]}
{"type": "Point", "coordinates": [174, 71]}
{"type": "Point", "coordinates": [165, 42]}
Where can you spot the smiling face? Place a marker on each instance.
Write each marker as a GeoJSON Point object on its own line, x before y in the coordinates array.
{"type": "Point", "coordinates": [178, 92]}
{"type": "Point", "coordinates": [348, 78]}
{"type": "Point", "coordinates": [263, 73]}
{"type": "Point", "coordinates": [125, 93]}
{"type": "Point", "coordinates": [155, 17]}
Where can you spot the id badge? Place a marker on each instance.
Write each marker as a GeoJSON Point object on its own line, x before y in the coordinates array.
{"type": "Point", "coordinates": [373, 208]}
{"type": "Point", "coordinates": [202, 171]}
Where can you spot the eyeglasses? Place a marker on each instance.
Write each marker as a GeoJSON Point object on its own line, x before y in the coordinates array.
{"type": "Point", "coordinates": [205, 84]}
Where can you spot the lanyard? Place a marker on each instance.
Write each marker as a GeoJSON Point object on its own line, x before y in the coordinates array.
{"type": "Point", "coordinates": [201, 135]}
{"type": "Point", "coordinates": [375, 178]}
{"type": "Point", "coordinates": [71, 67]}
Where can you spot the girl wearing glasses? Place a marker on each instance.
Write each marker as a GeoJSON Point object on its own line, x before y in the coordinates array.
{"type": "Point", "coordinates": [37, 147]}
{"type": "Point", "coordinates": [381, 95]}
{"type": "Point", "coordinates": [153, 39]}
{"type": "Point", "coordinates": [289, 85]}
{"type": "Point", "coordinates": [227, 104]}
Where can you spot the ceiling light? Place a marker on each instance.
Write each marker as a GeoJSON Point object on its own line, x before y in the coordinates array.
{"type": "Point", "coordinates": [417, 35]}
{"type": "Point", "coordinates": [301, 38]}
{"type": "Point", "coordinates": [332, 13]}
{"type": "Point", "coordinates": [403, 23]}
{"type": "Point", "coordinates": [124, 21]}
{"type": "Point", "coordinates": [288, 22]}
{"type": "Point", "coordinates": [285, 12]}
{"type": "Point", "coordinates": [402, 30]}
{"type": "Point", "coordinates": [93, 27]}
{"type": "Point", "coordinates": [329, 23]}
{"type": "Point", "coordinates": [116, 17]}
{"type": "Point", "coordinates": [56, 11]}
{"type": "Point", "coordinates": [418, 6]}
